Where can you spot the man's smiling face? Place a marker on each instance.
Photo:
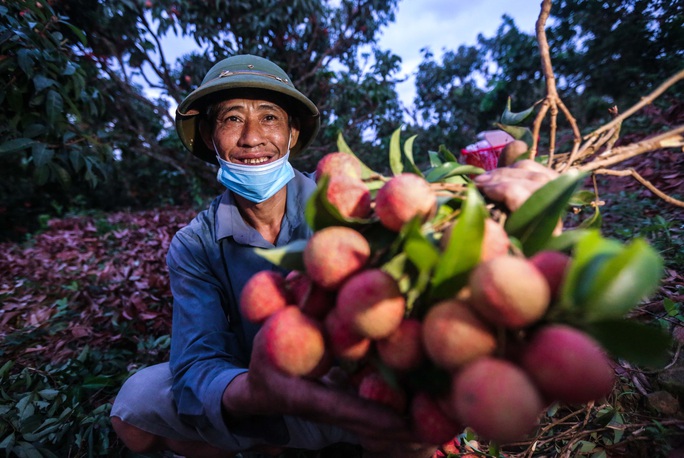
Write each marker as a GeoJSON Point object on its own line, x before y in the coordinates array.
{"type": "Point", "coordinates": [251, 129]}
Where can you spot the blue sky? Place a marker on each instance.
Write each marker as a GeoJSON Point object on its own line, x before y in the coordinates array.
{"type": "Point", "coordinates": [436, 24]}
{"type": "Point", "coordinates": [448, 24]}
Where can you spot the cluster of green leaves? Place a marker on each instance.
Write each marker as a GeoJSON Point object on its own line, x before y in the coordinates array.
{"type": "Point", "coordinates": [48, 412]}
{"type": "Point", "coordinates": [46, 100]}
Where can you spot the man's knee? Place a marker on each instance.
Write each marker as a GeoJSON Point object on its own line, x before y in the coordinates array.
{"type": "Point", "coordinates": [134, 438]}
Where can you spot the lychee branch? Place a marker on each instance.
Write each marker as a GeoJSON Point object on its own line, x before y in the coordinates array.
{"type": "Point", "coordinates": [650, 186]}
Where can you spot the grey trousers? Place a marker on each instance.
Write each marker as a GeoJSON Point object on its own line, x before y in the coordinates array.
{"type": "Point", "coordinates": [146, 402]}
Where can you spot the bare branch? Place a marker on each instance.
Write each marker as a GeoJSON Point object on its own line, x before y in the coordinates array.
{"type": "Point", "coordinates": [651, 187]}
{"type": "Point", "coordinates": [552, 101]}
{"type": "Point", "coordinates": [644, 101]}
{"type": "Point", "coordinates": [669, 139]}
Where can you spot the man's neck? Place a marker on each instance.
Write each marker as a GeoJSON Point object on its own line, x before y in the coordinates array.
{"type": "Point", "coordinates": [267, 216]}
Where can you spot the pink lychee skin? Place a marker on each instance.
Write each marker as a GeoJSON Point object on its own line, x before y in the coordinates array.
{"type": "Point", "coordinates": [350, 196]}
{"type": "Point", "coordinates": [338, 163]}
{"type": "Point", "coordinates": [567, 365]}
{"type": "Point", "coordinates": [402, 198]}
{"type": "Point", "coordinates": [312, 299]}
{"type": "Point", "coordinates": [509, 291]}
{"type": "Point", "coordinates": [372, 302]}
{"type": "Point", "coordinates": [495, 241]}
{"type": "Point", "coordinates": [497, 399]}
{"type": "Point", "coordinates": [263, 295]}
{"type": "Point", "coordinates": [343, 341]}
{"type": "Point", "coordinates": [403, 349]}
{"type": "Point", "coordinates": [333, 254]}
{"type": "Point", "coordinates": [453, 335]}
{"type": "Point", "coordinates": [553, 265]}
{"type": "Point", "coordinates": [293, 342]}
{"type": "Point", "coordinates": [430, 423]}
{"type": "Point", "coordinates": [375, 388]}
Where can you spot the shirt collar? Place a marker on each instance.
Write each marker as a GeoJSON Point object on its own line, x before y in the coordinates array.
{"type": "Point", "coordinates": [229, 222]}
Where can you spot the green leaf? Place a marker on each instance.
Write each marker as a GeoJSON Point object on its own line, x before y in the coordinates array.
{"type": "Point", "coordinates": [639, 343]}
{"type": "Point", "coordinates": [41, 82]}
{"type": "Point", "coordinates": [421, 252]}
{"type": "Point", "coordinates": [435, 160]}
{"type": "Point", "coordinates": [53, 106]}
{"type": "Point", "coordinates": [395, 160]}
{"type": "Point", "coordinates": [78, 32]}
{"type": "Point", "coordinates": [590, 247]}
{"type": "Point", "coordinates": [463, 251]}
{"type": "Point", "coordinates": [510, 118]}
{"type": "Point", "coordinates": [449, 169]}
{"type": "Point", "coordinates": [533, 223]}
{"type": "Point", "coordinates": [408, 152]}
{"type": "Point", "coordinates": [288, 257]}
{"type": "Point", "coordinates": [17, 144]}
{"type": "Point", "coordinates": [593, 222]}
{"type": "Point", "coordinates": [582, 197]}
{"type": "Point", "coordinates": [621, 281]}
{"type": "Point", "coordinates": [41, 154]}
{"type": "Point", "coordinates": [448, 155]}
{"type": "Point", "coordinates": [342, 146]}
{"type": "Point", "coordinates": [566, 240]}
{"type": "Point", "coordinates": [519, 133]}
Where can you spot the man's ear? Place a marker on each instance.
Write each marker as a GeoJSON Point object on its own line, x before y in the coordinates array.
{"type": "Point", "coordinates": [206, 134]}
{"type": "Point", "coordinates": [294, 132]}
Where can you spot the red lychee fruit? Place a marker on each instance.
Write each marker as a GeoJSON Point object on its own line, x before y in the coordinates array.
{"type": "Point", "coordinates": [345, 342]}
{"type": "Point", "coordinates": [293, 342]}
{"type": "Point", "coordinates": [372, 302]}
{"type": "Point", "coordinates": [402, 198]}
{"type": "Point", "coordinates": [553, 266]}
{"type": "Point", "coordinates": [495, 241]}
{"type": "Point", "coordinates": [339, 163]}
{"type": "Point", "coordinates": [311, 298]}
{"type": "Point", "coordinates": [497, 399]}
{"type": "Point", "coordinates": [350, 196]}
{"type": "Point", "coordinates": [453, 335]}
{"type": "Point", "coordinates": [333, 254]}
{"type": "Point", "coordinates": [430, 423]}
{"type": "Point", "coordinates": [375, 388]}
{"type": "Point", "coordinates": [403, 349]}
{"type": "Point", "coordinates": [567, 365]}
{"type": "Point", "coordinates": [509, 291]}
{"type": "Point", "coordinates": [263, 295]}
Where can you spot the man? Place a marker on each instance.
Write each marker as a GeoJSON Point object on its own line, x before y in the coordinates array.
{"type": "Point", "coordinates": [215, 397]}
{"type": "Point", "coordinates": [247, 116]}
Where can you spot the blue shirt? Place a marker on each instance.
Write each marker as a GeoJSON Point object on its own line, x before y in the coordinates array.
{"type": "Point", "coordinates": [209, 261]}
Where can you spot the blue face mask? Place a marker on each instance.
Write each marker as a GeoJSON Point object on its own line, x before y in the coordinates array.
{"type": "Point", "coordinates": [255, 183]}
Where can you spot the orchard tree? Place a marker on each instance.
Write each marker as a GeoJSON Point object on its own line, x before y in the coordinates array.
{"type": "Point", "coordinates": [612, 52]}
{"type": "Point", "coordinates": [448, 97]}
{"type": "Point", "coordinates": [305, 37]}
{"type": "Point", "coordinates": [91, 89]}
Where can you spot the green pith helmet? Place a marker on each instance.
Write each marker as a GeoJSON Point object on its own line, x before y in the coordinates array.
{"type": "Point", "coordinates": [243, 72]}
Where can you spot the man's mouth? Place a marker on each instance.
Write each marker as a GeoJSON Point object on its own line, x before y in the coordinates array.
{"type": "Point", "coordinates": [255, 160]}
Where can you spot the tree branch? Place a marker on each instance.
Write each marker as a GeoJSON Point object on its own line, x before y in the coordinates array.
{"type": "Point", "coordinates": [651, 187]}
{"type": "Point", "coordinates": [552, 101]}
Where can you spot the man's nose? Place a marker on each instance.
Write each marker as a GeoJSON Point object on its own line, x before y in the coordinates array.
{"type": "Point", "coordinates": [252, 134]}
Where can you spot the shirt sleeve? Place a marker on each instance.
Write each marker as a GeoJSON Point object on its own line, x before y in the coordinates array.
{"type": "Point", "coordinates": [205, 347]}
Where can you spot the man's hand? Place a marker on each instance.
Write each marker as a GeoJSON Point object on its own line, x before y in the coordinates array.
{"type": "Point", "coordinates": [264, 390]}
{"type": "Point", "coordinates": [514, 184]}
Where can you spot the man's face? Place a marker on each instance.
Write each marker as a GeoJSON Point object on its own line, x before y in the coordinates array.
{"type": "Point", "coordinates": [252, 130]}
